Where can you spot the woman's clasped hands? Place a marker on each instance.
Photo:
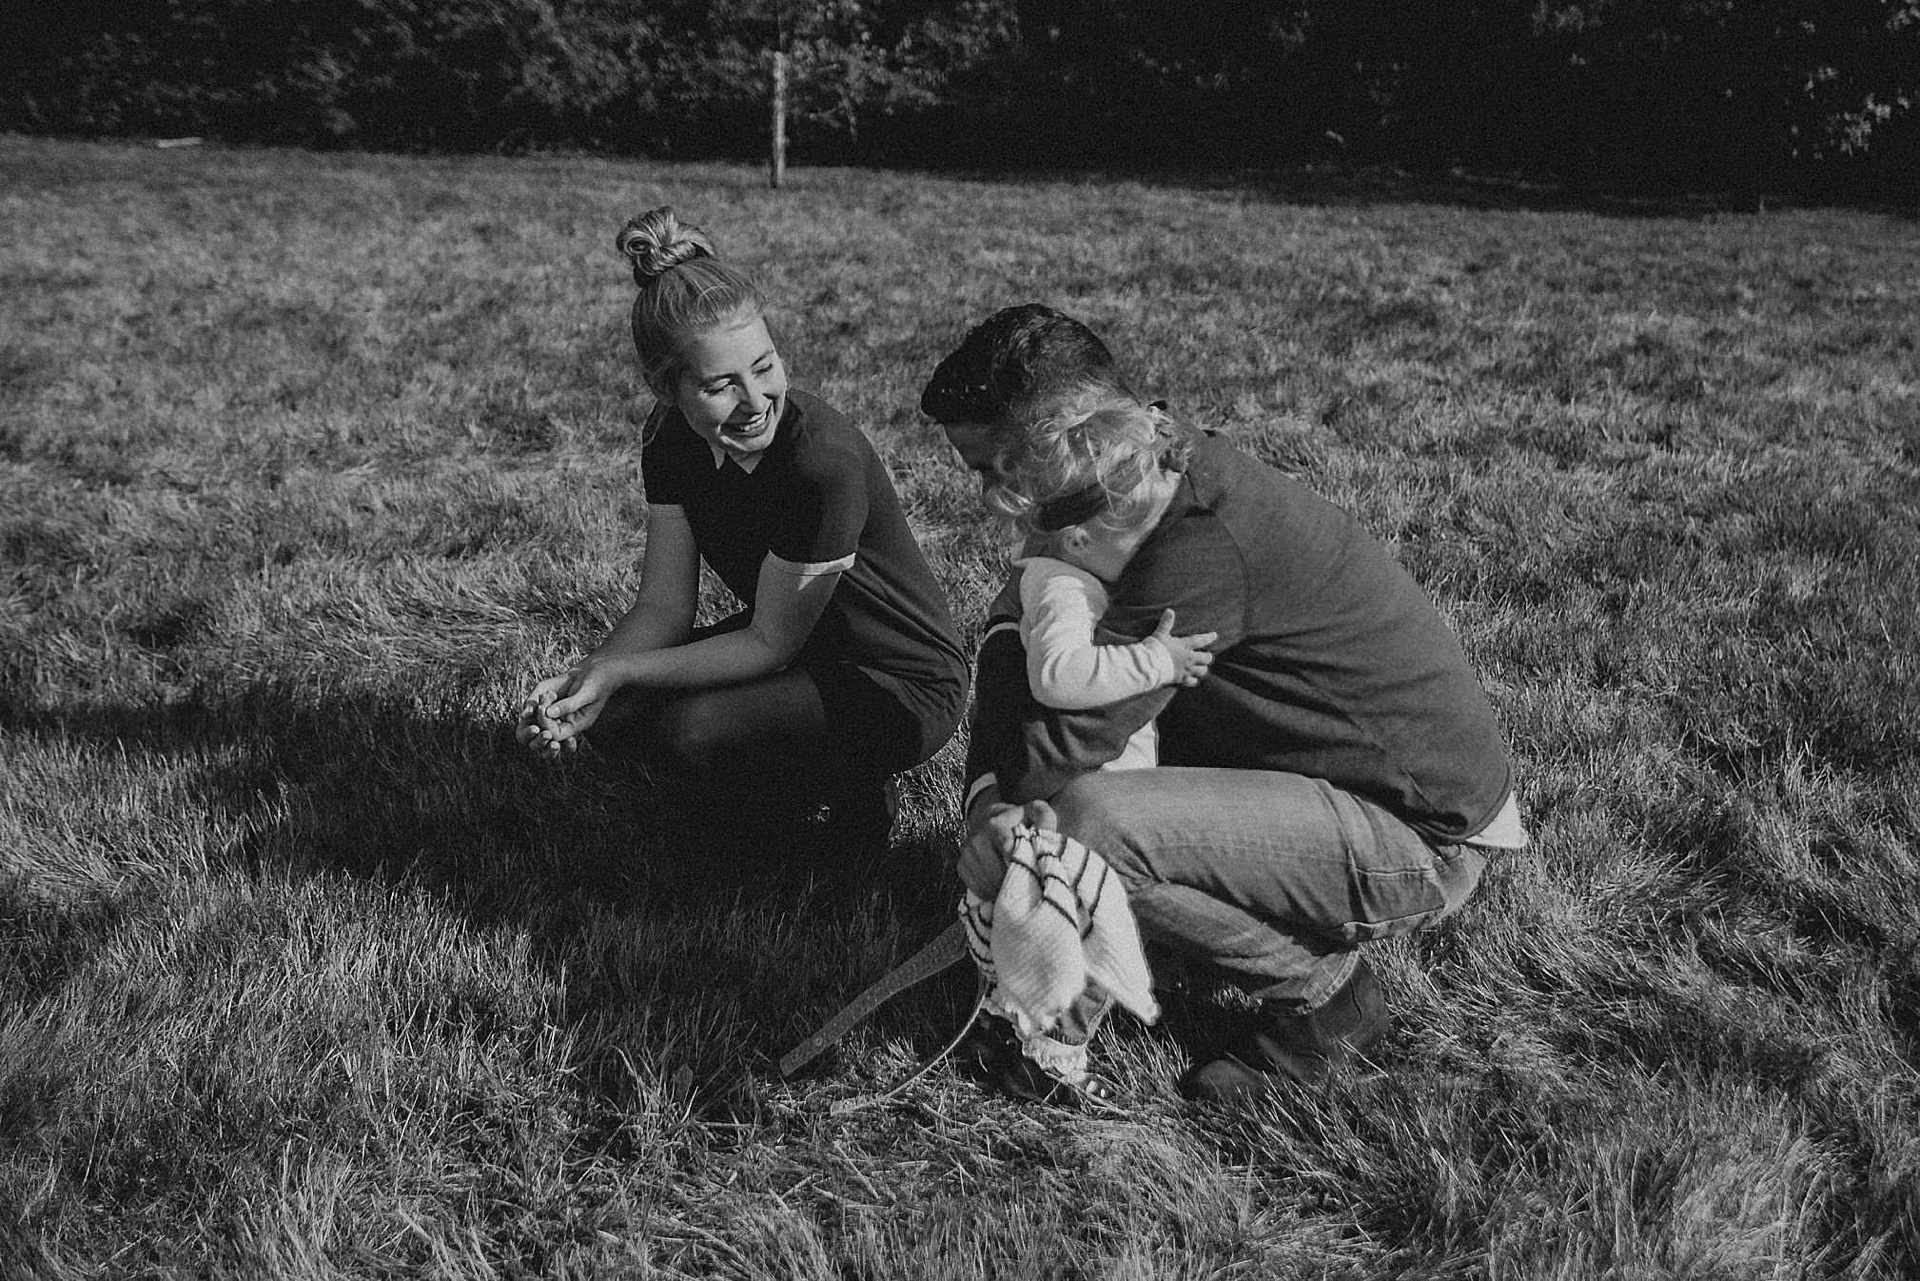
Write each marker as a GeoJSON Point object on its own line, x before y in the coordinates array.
{"type": "Point", "coordinates": [562, 708]}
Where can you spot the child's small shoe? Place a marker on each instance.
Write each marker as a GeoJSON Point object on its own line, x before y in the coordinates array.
{"type": "Point", "coordinates": [1038, 1070]}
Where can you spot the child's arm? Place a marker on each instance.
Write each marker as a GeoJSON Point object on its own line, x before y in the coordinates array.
{"type": "Point", "coordinates": [1068, 671]}
{"type": "Point", "coordinates": [1025, 751]}
{"type": "Point", "coordinates": [1019, 750]}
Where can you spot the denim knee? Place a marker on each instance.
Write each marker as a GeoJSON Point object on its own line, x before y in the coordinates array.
{"type": "Point", "coordinates": [1392, 902]}
{"type": "Point", "coordinates": [1086, 812]}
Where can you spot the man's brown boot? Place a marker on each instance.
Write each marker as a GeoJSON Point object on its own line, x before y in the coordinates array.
{"type": "Point", "coordinates": [1291, 1050]}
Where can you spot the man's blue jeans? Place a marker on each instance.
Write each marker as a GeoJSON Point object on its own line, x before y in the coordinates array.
{"type": "Point", "coordinates": [1272, 879]}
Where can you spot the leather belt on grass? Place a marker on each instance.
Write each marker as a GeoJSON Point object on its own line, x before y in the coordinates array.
{"type": "Point", "coordinates": [947, 949]}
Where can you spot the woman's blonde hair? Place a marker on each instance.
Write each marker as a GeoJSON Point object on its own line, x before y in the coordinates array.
{"type": "Point", "coordinates": [1090, 459]}
{"type": "Point", "coordinates": [684, 287]}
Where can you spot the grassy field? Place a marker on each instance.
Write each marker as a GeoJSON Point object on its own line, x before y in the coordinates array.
{"type": "Point", "coordinates": [309, 465]}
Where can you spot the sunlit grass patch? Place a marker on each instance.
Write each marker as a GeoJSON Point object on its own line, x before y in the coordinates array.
{"type": "Point", "coordinates": [309, 464]}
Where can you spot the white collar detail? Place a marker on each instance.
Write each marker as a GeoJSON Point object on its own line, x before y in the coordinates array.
{"type": "Point", "coordinates": [745, 464]}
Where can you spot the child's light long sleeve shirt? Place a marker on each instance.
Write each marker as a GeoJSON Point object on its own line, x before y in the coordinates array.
{"type": "Point", "coordinates": [1067, 669]}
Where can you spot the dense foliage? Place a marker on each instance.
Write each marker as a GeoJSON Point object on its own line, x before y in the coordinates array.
{"type": "Point", "coordinates": [1743, 94]}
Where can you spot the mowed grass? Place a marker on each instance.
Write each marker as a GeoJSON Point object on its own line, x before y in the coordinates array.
{"type": "Point", "coordinates": [309, 465]}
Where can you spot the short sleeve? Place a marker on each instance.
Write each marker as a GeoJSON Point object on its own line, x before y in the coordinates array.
{"type": "Point", "coordinates": [816, 519]}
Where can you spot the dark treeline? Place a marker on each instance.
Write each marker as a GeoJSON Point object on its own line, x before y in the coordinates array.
{"type": "Point", "coordinates": [1786, 96]}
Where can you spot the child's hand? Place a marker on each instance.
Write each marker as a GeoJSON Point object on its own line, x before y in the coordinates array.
{"type": "Point", "coordinates": [1190, 657]}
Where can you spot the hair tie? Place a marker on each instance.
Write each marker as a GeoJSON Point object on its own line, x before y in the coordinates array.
{"type": "Point", "coordinates": [1071, 509]}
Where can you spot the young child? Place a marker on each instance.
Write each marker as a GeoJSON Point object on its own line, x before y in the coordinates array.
{"type": "Point", "coordinates": [1078, 543]}
{"type": "Point", "coordinates": [1107, 462]}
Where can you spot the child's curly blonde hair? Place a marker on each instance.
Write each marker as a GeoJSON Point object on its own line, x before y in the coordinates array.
{"type": "Point", "coordinates": [1091, 458]}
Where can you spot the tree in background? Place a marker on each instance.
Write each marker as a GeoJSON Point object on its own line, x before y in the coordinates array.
{"type": "Point", "coordinates": [859, 69]}
{"type": "Point", "coordinates": [1751, 95]}
{"type": "Point", "coordinates": [1741, 93]}
{"type": "Point", "coordinates": [408, 72]}
{"type": "Point", "coordinates": [669, 76]}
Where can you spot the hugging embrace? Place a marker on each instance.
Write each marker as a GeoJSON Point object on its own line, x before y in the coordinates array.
{"type": "Point", "coordinates": [1211, 678]}
{"type": "Point", "coordinates": [1334, 775]}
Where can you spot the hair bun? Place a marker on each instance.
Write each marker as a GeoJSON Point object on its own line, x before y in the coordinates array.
{"type": "Point", "coordinates": [656, 242]}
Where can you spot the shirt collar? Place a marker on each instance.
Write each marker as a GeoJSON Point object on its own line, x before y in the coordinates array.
{"type": "Point", "coordinates": [746, 464]}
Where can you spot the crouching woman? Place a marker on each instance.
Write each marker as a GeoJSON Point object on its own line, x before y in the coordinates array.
{"type": "Point", "coordinates": [844, 667]}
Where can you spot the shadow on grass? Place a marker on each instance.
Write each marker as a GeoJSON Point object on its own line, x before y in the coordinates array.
{"type": "Point", "coordinates": [673, 936]}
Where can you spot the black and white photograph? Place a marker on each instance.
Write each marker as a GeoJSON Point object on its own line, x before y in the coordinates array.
{"type": "Point", "coordinates": [960, 640]}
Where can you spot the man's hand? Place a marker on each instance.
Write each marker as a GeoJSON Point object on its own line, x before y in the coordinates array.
{"type": "Point", "coordinates": [983, 859]}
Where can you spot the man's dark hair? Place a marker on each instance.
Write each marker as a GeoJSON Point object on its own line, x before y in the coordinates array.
{"type": "Point", "coordinates": [1013, 363]}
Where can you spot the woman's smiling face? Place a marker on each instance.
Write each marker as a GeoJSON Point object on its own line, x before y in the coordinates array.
{"type": "Point", "coordinates": [732, 387]}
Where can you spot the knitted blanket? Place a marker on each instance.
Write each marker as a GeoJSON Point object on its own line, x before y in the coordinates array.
{"type": "Point", "coordinates": [1060, 919]}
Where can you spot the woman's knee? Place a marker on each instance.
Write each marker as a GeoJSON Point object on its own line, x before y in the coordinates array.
{"type": "Point", "coordinates": [619, 731]}
{"type": "Point", "coordinates": [684, 737]}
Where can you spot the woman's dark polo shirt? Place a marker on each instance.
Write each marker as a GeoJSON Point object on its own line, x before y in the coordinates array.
{"type": "Point", "coordinates": [1331, 661]}
{"type": "Point", "coordinates": [820, 496]}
